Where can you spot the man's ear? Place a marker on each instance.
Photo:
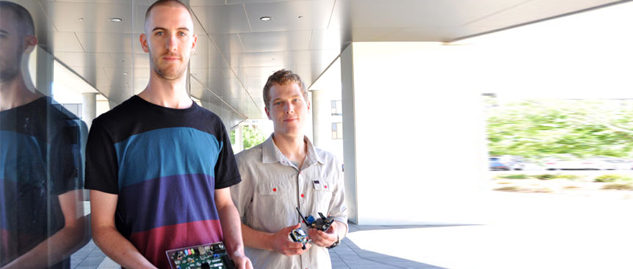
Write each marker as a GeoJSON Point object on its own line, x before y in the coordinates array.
{"type": "Point", "coordinates": [267, 113]}
{"type": "Point", "coordinates": [195, 41]}
{"type": "Point", "coordinates": [30, 41]}
{"type": "Point", "coordinates": [143, 39]}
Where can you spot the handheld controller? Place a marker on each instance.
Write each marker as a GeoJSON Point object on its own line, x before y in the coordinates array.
{"type": "Point", "coordinates": [323, 223]}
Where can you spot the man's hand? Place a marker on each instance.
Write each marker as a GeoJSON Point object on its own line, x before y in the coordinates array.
{"type": "Point", "coordinates": [281, 242]}
{"type": "Point", "coordinates": [241, 261]}
{"type": "Point", "coordinates": [323, 239]}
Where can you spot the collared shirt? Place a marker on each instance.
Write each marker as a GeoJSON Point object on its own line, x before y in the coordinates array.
{"type": "Point", "coordinates": [272, 187]}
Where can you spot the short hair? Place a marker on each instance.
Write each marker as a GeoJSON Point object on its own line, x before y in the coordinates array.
{"type": "Point", "coordinates": [166, 3]}
{"type": "Point", "coordinates": [22, 16]}
{"type": "Point", "coordinates": [283, 77]}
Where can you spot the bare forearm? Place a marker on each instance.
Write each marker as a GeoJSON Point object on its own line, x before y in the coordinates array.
{"type": "Point", "coordinates": [119, 249]}
{"type": "Point", "coordinates": [231, 228]}
{"type": "Point", "coordinates": [54, 249]}
{"type": "Point", "coordinates": [256, 239]}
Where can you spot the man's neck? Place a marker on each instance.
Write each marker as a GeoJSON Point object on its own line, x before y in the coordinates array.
{"type": "Point", "coordinates": [14, 93]}
{"type": "Point", "coordinates": [167, 93]}
{"type": "Point", "coordinates": [293, 147]}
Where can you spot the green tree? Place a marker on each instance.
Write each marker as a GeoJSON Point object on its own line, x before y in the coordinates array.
{"type": "Point", "coordinates": [252, 137]}
{"type": "Point", "coordinates": [540, 128]}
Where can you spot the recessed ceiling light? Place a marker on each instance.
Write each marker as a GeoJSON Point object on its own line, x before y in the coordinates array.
{"type": "Point", "coordinates": [266, 18]}
{"type": "Point", "coordinates": [300, 17]}
{"type": "Point", "coordinates": [116, 20]}
{"type": "Point", "coordinates": [81, 19]}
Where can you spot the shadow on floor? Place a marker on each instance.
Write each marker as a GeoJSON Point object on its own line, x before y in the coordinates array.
{"type": "Point", "coordinates": [349, 256]}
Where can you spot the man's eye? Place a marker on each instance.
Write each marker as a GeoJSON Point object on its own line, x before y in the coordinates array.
{"type": "Point", "coordinates": [182, 34]}
{"type": "Point", "coordinates": [159, 33]}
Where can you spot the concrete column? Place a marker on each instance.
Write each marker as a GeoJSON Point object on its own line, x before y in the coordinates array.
{"type": "Point", "coordinates": [89, 108]}
{"type": "Point", "coordinates": [349, 132]}
{"type": "Point", "coordinates": [321, 114]}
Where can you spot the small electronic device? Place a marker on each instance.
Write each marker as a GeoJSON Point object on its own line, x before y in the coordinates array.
{"type": "Point", "coordinates": [200, 257]}
{"type": "Point", "coordinates": [299, 236]}
{"type": "Point", "coordinates": [321, 224]}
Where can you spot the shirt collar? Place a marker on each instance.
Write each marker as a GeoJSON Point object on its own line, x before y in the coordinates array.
{"type": "Point", "coordinates": [272, 154]}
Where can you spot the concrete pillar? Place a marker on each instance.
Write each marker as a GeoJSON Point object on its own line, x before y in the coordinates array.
{"type": "Point", "coordinates": [89, 108]}
{"type": "Point", "coordinates": [349, 132]}
{"type": "Point", "coordinates": [420, 154]}
{"type": "Point", "coordinates": [321, 114]}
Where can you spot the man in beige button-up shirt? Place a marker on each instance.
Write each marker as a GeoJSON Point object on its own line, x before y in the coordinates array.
{"type": "Point", "coordinates": [283, 173]}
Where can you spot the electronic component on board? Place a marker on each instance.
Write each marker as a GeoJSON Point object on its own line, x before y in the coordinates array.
{"type": "Point", "coordinates": [322, 223]}
{"type": "Point", "coordinates": [200, 257]}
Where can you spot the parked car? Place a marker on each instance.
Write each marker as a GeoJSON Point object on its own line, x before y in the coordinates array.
{"type": "Point", "coordinates": [595, 163]}
{"type": "Point", "coordinates": [502, 163]}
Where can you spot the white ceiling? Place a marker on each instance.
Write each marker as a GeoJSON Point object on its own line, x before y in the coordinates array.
{"type": "Point", "coordinates": [237, 51]}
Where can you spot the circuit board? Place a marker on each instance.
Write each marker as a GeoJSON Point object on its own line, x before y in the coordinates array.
{"type": "Point", "coordinates": [200, 257]}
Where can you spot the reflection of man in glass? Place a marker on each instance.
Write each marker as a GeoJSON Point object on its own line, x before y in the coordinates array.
{"type": "Point", "coordinates": [41, 213]}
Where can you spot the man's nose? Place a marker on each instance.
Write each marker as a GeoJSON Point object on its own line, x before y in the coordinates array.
{"type": "Point", "coordinates": [172, 43]}
{"type": "Point", "coordinates": [290, 109]}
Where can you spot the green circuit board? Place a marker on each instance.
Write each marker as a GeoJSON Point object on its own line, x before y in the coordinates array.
{"type": "Point", "coordinates": [200, 257]}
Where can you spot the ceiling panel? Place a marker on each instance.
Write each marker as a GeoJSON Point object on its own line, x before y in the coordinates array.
{"type": "Point", "coordinates": [110, 42]}
{"type": "Point", "coordinates": [65, 42]}
{"type": "Point", "coordinates": [528, 12]}
{"type": "Point", "coordinates": [128, 60]}
{"type": "Point", "coordinates": [276, 41]}
{"type": "Point", "coordinates": [222, 19]}
{"type": "Point", "coordinates": [236, 51]}
{"type": "Point", "coordinates": [85, 59]}
{"type": "Point", "coordinates": [290, 16]}
{"type": "Point", "coordinates": [257, 59]}
{"type": "Point", "coordinates": [228, 43]}
{"type": "Point", "coordinates": [89, 17]}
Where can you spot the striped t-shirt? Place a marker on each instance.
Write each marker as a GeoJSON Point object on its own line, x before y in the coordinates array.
{"type": "Point", "coordinates": [164, 164]}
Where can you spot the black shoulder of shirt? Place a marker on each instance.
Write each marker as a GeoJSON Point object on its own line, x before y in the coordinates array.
{"type": "Point", "coordinates": [135, 116]}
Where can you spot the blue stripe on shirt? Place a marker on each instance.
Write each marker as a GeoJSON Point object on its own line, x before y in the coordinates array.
{"type": "Point", "coordinates": [166, 152]}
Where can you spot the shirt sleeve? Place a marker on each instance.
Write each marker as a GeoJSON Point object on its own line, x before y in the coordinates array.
{"type": "Point", "coordinates": [338, 207]}
{"type": "Point", "coordinates": [226, 172]}
{"type": "Point", "coordinates": [101, 159]}
{"type": "Point", "coordinates": [65, 157]}
{"type": "Point", "coordinates": [242, 193]}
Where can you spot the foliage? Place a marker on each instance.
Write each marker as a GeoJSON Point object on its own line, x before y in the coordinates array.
{"type": "Point", "coordinates": [545, 128]}
{"type": "Point", "coordinates": [612, 178]}
{"type": "Point", "coordinates": [545, 176]}
{"type": "Point", "coordinates": [516, 176]}
{"type": "Point", "coordinates": [252, 137]}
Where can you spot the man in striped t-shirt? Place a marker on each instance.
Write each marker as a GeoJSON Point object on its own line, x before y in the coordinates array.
{"type": "Point", "coordinates": [159, 166]}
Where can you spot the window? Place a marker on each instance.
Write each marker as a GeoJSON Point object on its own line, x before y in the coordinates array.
{"type": "Point", "coordinates": [337, 108]}
{"type": "Point", "coordinates": [337, 130]}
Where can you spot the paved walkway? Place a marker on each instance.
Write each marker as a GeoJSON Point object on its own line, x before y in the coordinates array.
{"type": "Point", "coordinates": [522, 231]}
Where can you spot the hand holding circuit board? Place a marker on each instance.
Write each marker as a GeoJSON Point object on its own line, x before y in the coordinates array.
{"type": "Point", "coordinates": [322, 224]}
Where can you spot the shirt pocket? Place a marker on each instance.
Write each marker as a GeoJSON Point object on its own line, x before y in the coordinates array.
{"type": "Point", "coordinates": [275, 198]}
{"type": "Point", "coordinates": [323, 195]}
{"type": "Point", "coordinates": [274, 189]}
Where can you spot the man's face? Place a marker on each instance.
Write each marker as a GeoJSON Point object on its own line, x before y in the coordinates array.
{"type": "Point", "coordinates": [11, 46]}
{"type": "Point", "coordinates": [169, 39]}
{"type": "Point", "coordinates": [288, 109]}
